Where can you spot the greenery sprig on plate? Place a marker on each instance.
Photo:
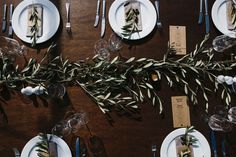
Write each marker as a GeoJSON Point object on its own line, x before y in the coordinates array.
{"type": "Point", "coordinates": [131, 21]}
{"type": "Point", "coordinates": [121, 84]}
{"type": "Point", "coordinates": [34, 18]}
{"type": "Point", "coordinates": [43, 146]}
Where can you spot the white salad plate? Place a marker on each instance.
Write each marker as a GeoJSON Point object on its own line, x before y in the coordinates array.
{"type": "Point", "coordinates": [29, 149]}
{"type": "Point", "coordinates": [51, 20]}
{"type": "Point", "coordinates": [116, 18]}
{"type": "Point", "coordinates": [219, 18]}
{"type": "Point", "coordinates": [168, 147]}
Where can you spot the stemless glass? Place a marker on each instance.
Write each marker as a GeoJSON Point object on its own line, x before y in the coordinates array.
{"type": "Point", "coordinates": [77, 120]}
{"type": "Point", "coordinates": [232, 115]}
{"type": "Point", "coordinates": [115, 42]}
{"type": "Point", "coordinates": [62, 129]}
{"type": "Point", "coordinates": [223, 42]}
{"type": "Point", "coordinates": [11, 48]}
{"type": "Point", "coordinates": [101, 48]}
{"type": "Point", "coordinates": [219, 123]}
{"type": "Point", "coordinates": [57, 90]}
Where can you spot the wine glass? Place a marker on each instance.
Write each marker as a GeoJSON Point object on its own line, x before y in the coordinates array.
{"type": "Point", "coordinates": [11, 48]}
{"type": "Point", "coordinates": [101, 48]}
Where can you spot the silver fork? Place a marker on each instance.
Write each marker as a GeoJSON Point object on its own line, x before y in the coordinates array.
{"type": "Point", "coordinates": [16, 152]}
{"type": "Point", "coordinates": [154, 150]}
{"type": "Point", "coordinates": [68, 25]}
{"type": "Point", "coordinates": [159, 24]}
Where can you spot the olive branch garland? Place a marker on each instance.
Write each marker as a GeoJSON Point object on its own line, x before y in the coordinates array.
{"type": "Point", "coordinates": [121, 85]}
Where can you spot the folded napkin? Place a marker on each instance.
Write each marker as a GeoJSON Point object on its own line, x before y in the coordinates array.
{"type": "Point", "coordinates": [30, 23]}
{"type": "Point", "coordinates": [134, 6]}
{"type": "Point", "coordinates": [181, 150]}
{"type": "Point", "coordinates": [52, 149]}
{"type": "Point", "coordinates": [229, 15]}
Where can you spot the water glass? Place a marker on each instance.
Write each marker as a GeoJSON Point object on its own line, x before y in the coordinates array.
{"type": "Point", "coordinates": [232, 115]}
{"type": "Point", "coordinates": [62, 129]}
{"type": "Point", "coordinates": [223, 42]}
{"type": "Point", "coordinates": [219, 123]}
{"type": "Point", "coordinates": [56, 90]}
{"type": "Point", "coordinates": [77, 120]}
{"type": "Point", "coordinates": [115, 42]}
{"type": "Point", "coordinates": [101, 48]}
{"type": "Point", "coordinates": [11, 48]}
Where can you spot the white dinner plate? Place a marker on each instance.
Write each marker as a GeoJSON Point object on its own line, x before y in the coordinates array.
{"type": "Point", "coordinates": [168, 147]}
{"type": "Point", "coordinates": [51, 20]}
{"type": "Point", "coordinates": [29, 149]}
{"type": "Point", "coordinates": [219, 18]}
{"type": "Point", "coordinates": [116, 18]}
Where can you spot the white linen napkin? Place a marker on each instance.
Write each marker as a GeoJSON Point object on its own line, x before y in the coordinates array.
{"type": "Point", "coordinates": [30, 23]}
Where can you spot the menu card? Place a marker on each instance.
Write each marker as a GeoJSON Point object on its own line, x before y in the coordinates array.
{"type": "Point", "coordinates": [30, 23]}
{"type": "Point", "coordinates": [178, 39]}
{"type": "Point", "coordinates": [180, 111]}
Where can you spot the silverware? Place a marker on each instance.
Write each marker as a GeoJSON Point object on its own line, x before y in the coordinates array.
{"type": "Point", "coordinates": [200, 13]}
{"type": "Point", "coordinates": [154, 150]}
{"type": "Point", "coordinates": [68, 25]}
{"type": "Point", "coordinates": [213, 143]}
{"type": "Point", "coordinates": [16, 152]}
{"type": "Point", "coordinates": [223, 147]}
{"type": "Point", "coordinates": [4, 21]}
{"type": "Point", "coordinates": [157, 5]}
{"type": "Point", "coordinates": [77, 147]}
{"type": "Point", "coordinates": [207, 18]}
{"type": "Point", "coordinates": [103, 28]}
{"type": "Point", "coordinates": [10, 31]}
{"type": "Point", "coordinates": [97, 14]}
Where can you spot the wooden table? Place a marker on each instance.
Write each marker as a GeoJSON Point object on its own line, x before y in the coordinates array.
{"type": "Point", "coordinates": [126, 137]}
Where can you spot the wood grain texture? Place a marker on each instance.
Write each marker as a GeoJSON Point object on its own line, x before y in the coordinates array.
{"type": "Point", "coordinates": [126, 137]}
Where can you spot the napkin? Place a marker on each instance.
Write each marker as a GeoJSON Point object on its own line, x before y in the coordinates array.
{"type": "Point", "coordinates": [135, 5]}
{"type": "Point", "coordinates": [229, 9]}
{"type": "Point", "coordinates": [30, 23]}
{"type": "Point", "coordinates": [180, 147]}
{"type": "Point", "coordinates": [52, 149]}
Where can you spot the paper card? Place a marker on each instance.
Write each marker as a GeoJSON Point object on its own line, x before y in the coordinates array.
{"type": "Point", "coordinates": [180, 111]}
{"type": "Point", "coordinates": [178, 39]}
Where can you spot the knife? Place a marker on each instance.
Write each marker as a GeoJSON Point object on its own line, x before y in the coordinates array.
{"type": "Point", "coordinates": [207, 17]}
{"type": "Point", "coordinates": [10, 31]}
{"type": "Point", "coordinates": [200, 13]}
{"type": "Point", "coordinates": [77, 147]}
{"type": "Point", "coordinates": [97, 14]}
{"type": "Point", "coordinates": [4, 22]}
{"type": "Point", "coordinates": [213, 143]}
{"type": "Point", "coordinates": [223, 147]}
{"type": "Point", "coordinates": [103, 18]}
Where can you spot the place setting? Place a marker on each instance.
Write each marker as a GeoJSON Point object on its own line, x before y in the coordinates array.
{"type": "Point", "coordinates": [35, 21]}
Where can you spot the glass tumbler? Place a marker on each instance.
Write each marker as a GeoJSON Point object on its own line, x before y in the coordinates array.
{"type": "Point", "coordinates": [219, 123]}
{"type": "Point", "coordinates": [101, 48]}
{"type": "Point", "coordinates": [115, 42]}
{"type": "Point", "coordinates": [11, 48]}
{"type": "Point", "coordinates": [232, 115]}
{"type": "Point", "coordinates": [223, 42]}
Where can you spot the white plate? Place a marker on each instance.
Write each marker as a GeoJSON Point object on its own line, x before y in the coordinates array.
{"type": "Point", "coordinates": [29, 149]}
{"type": "Point", "coordinates": [117, 18]}
{"type": "Point", "coordinates": [219, 18]}
{"type": "Point", "coordinates": [51, 20]}
{"type": "Point", "coordinates": [168, 147]}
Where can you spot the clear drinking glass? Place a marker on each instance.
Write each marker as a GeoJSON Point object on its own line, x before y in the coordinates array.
{"type": "Point", "coordinates": [232, 115]}
{"type": "Point", "coordinates": [57, 90]}
{"type": "Point", "coordinates": [77, 120]}
{"type": "Point", "coordinates": [223, 42]}
{"type": "Point", "coordinates": [115, 42]}
{"type": "Point", "coordinates": [11, 48]}
{"type": "Point", "coordinates": [101, 48]}
{"type": "Point", "coordinates": [219, 123]}
{"type": "Point", "coordinates": [62, 129]}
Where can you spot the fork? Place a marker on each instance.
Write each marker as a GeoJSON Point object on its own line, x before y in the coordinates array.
{"type": "Point", "coordinates": [68, 25]}
{"type": "Point", "coordinates": [159, 24]}
{"type": "Point", "coordinates": [16, 152]}
{"type": "Point", "coordinates": [154, 150]}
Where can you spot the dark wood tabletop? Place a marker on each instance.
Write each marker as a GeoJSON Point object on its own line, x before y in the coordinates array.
{"type": "Point", "coordinates": [125, 137]}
